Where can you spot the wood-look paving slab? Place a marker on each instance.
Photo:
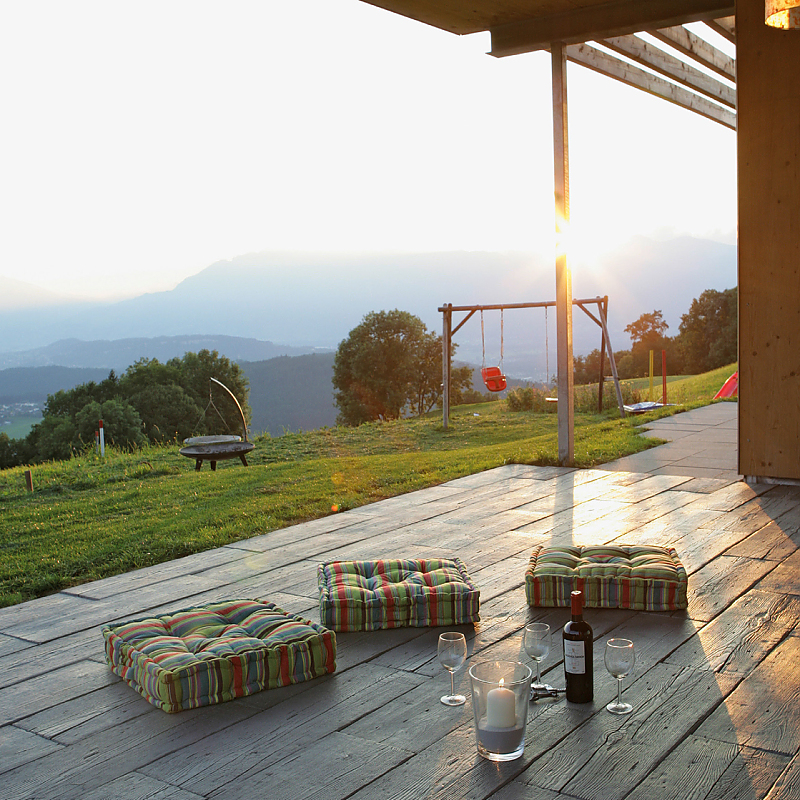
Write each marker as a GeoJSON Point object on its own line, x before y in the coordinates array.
{"type": "Point", "coordinates": [715, 688]}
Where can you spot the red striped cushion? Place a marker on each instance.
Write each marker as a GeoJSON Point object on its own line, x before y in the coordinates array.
{"type": "Point", "coordinates": [393, 593]}
{"type": "Point", "coordinates": [212, 653]}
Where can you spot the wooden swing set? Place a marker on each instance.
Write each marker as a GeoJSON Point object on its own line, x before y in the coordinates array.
{"type": "Point", "coordinates": [493, 377]}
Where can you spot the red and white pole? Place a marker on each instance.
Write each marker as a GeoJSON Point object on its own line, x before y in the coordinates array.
{"type": "Point", "coordinates": [102, 440]}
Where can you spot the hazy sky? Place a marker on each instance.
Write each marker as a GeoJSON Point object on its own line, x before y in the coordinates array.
{"type": "Point", "coordinates": [143, 141]}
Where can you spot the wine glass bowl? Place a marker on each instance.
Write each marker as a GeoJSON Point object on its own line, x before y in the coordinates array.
{"type": "Point", "coordinates": [537, 645]}
{"type": "Point", "coordinates": [620, 658]}
{"type": "Point", "coordinates": [452, 654]}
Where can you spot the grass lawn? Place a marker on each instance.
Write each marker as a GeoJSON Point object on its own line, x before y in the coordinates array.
{"type": "Point", "coordinates": [90, 518]}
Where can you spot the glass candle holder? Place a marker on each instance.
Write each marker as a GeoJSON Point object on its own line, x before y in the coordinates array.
{"type": "Point", "coordinates": [500, 694]}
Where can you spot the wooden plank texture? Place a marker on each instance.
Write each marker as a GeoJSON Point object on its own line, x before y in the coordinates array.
{"type": "Point", "coordinates": [714, 689]}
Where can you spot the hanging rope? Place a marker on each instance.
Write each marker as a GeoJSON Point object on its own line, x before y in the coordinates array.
{"type": "Point", "coordinates": [211, 405]}
{"type": "Point", "coordinates": [483, 344]}
{"type": "Point", "coordinates": [501, 340]}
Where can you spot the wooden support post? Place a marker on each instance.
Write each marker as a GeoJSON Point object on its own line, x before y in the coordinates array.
{"type": "Point", "coordinates": [566, 401]}
{"type": "Point", "coordinates": [602, 379]}
{"type": "Point", "coordinates": [28, 480]}
{"type": "Point", "coordinates": [447, 324]}
{"type": "Point", "coordinates": [602, 308]}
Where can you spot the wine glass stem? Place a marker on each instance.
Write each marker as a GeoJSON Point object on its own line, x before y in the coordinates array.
{"type": "Point", "coordinates": [452, 684]}
{"type": "Point", "coordinates": [538, 673]}
{"type": "Point", "coordinates": [619, 689]}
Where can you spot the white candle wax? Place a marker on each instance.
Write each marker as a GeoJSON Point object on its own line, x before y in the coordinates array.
{"type": "Point", "coordinates": [500, 708]}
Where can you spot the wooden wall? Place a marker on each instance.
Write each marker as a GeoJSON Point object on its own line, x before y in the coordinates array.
{"type": "Point", "coordinates": [768, 81]}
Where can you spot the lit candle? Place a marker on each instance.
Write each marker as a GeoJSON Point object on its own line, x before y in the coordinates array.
{"type": "Point", "coordinates": [500, 711]}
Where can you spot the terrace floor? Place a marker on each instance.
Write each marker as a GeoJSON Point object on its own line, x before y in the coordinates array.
{"type": "Point", "coordinates": [715, 689]}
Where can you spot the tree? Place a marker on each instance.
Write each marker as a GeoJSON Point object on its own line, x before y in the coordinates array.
{"type": "Point", "coordinates": [170, 397]}
{"type": "Point", "coordinates": [167, 412]}
{"type": "Point", "coordinates": [151, 400]}
{"type": "Point", "coordinates": [648, 328]}
{"type": "Point", "coordinates": [196, 371]}
{"type": "Point", "coordinates": [122, 426]}
{"type": "Point", "coordinates": [647, 333]}
{"type": "Point", "coordinates": [389, 364]}
{"type": "Point", "coordinates": [462, 390]}
{"type": "Point", "coordinates": [709, 331]}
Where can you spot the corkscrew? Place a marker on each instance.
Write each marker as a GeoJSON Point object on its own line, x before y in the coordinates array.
{"type": "Point", "coordinates": [546, 691]}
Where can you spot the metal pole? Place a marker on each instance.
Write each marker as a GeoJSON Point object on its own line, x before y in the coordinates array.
{"type": "Point", "coordinates": [566, 402]}
{"type": "Point", "coordinates": [447, 315]}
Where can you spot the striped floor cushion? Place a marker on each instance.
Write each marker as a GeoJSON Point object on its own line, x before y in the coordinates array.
{"type": "Point", "coordinates": [217, 652]}
{"type": "Point", "coordinates": [394, 593]}
{"type": "Point", "coordinates": [645, 578]}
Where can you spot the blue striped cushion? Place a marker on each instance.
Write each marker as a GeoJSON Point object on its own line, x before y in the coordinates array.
{"type": "Point", "coordinates": [643, 578]}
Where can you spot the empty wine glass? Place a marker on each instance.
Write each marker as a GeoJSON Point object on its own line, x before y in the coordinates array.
{"type": "Point", "coordinates": [452, 654]}
{"type": "Point", "coordinates": [620, 659]}
{"type": "Point", "coordinates": [537, 646]}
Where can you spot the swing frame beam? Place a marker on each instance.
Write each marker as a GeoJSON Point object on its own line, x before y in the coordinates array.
{"type": "Point", "coordinates": [448, 331]}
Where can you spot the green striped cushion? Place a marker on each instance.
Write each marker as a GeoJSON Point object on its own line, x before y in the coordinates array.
{"type": "Point", "coordinates": [393, 593]}
{"type": "Point", "coordinates": [216, 652]}
{"type": "Point", "coordinates": [644, 578]}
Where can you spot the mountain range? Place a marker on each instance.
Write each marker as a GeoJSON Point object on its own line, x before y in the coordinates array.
{"type": "Point", "coordinates": [313, 300]}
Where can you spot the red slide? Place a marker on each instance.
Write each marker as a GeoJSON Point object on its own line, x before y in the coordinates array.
{"type": "Point", "coordinates": [730, 388]}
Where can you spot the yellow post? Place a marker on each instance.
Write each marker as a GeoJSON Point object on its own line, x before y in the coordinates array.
{"type": "Point", "coordinates": [651, 376]}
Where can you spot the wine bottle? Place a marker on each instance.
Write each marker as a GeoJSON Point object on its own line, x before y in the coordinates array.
{"type": "Point", "coordinates": [578, 654]}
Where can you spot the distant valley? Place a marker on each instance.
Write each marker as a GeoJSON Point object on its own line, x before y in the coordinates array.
{"type": "Point", "coordinates": [287, 392]}
{"type": "Point", "coordinates": [282, 316]}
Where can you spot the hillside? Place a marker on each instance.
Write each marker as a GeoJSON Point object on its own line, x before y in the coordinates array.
{"type": "Point", "coordinates": [291, 393]}
{"type": "Point", "coordinates": [287, 393]}
{"type": "Point", "coordinates": [119, 354]}
{"type": "Point", "coordinates": [92, 517]}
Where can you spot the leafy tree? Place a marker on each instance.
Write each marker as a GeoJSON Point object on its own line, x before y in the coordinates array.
{"type": "Point", "coordinates": [55, 438]}
{"type": "Point", "coordinates": [586, 369]}
{"type": "Point", "coordinates": [170, 397]}
{"type": "Point", "coordinates": [427, 384]}
{"type": "Point", "coordinates": [647, 333]}
{"type": "Point", "coordinates": [122, 426]}
{"type": "Point", "coordinates": [148, 372]}
{"type": "Point", "coordinates": [648, 328]}
{"type": "Point", "coordinates": [151, 400]}
{"type": "Point", "coordinates": [69, 403]}
{"type": "Point", "coordinates": [196, 370]}
{"type": "Point", "coordinates": [8, 456]}
{"type": "Point", "coordinates": [167, 412]}
{"type": "Point", "coordinates": [388, 365]}
{"type": "Point", "coordinates": [462, 390]}
{"type": "Point", "coordinates": [709, 331]}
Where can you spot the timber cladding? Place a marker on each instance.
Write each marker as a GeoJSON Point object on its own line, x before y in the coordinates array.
{"type": "Point", "coordinates": [768, 81]}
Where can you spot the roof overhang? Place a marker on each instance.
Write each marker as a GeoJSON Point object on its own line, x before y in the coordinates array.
{"type": "Point", "coordinates": [679, 73]}
{"type": "Point", "coordinates": [540, 22]}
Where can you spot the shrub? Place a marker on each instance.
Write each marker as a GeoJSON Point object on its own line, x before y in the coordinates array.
{"type": "Point", "coordinates": [529, 398]}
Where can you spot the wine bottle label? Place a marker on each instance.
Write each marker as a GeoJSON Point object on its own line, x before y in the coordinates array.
{"type": "Point", "coordinates": [574, 657]}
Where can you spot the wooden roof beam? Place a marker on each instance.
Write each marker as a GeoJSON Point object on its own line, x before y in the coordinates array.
{"type": "Point", "coordinates": [668, 65]}
{"type": "Point", "coordinates": [697, 49]}
{"type": "Point", "coordinates": [611, 66]}
{"type": "Point", "coordinates": [601, 22]}
{"type": "Point", "coordinates": [725, 27]}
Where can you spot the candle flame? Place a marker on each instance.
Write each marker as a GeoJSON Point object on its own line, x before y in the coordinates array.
{"type": "Point", "coordinates": [502, 681]}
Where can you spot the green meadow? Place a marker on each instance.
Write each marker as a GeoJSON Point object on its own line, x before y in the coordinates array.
{"type": "Point", "coordinates": [92, 517]}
